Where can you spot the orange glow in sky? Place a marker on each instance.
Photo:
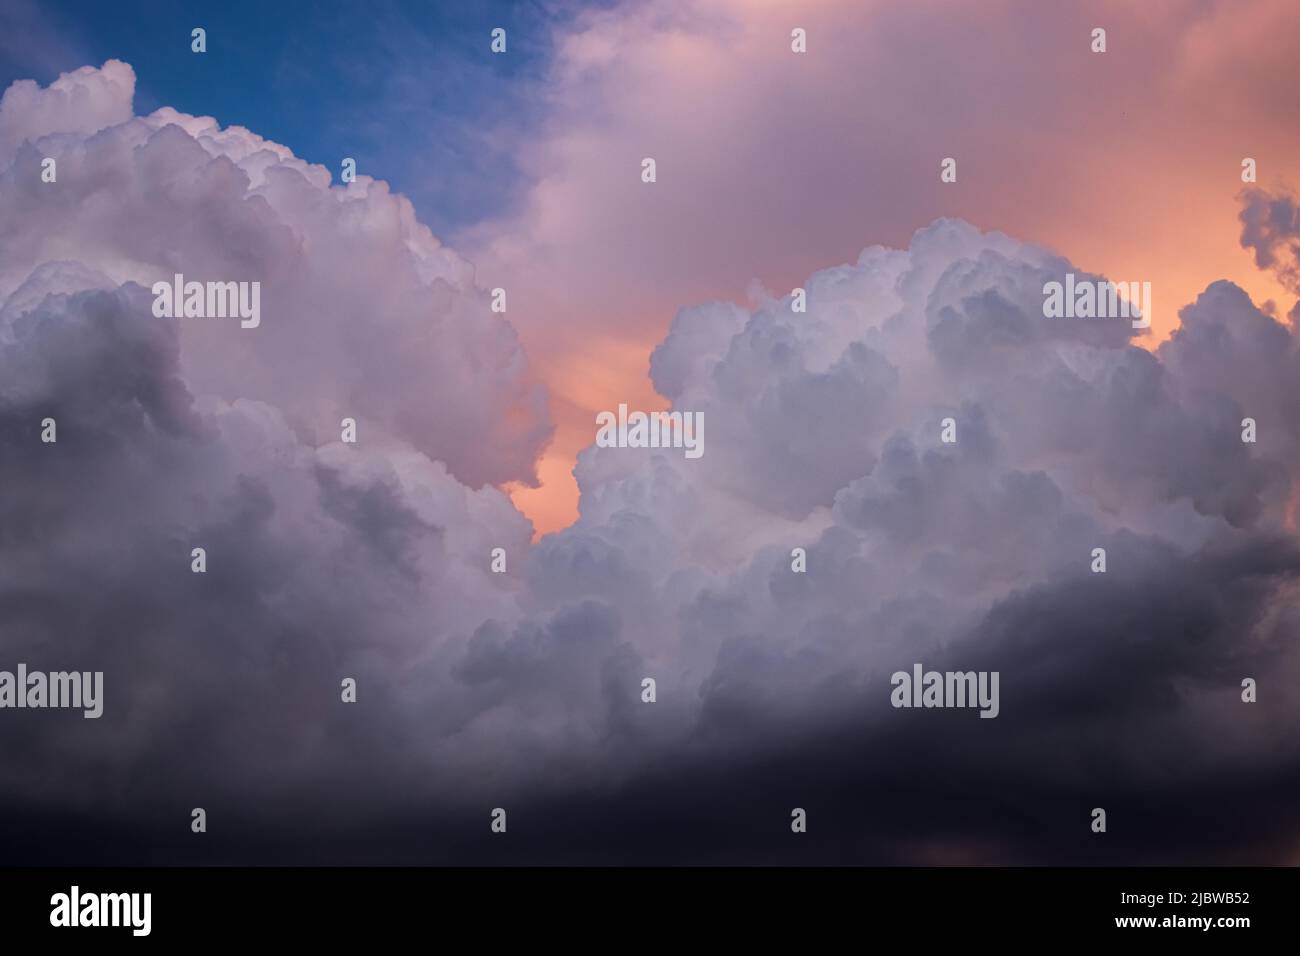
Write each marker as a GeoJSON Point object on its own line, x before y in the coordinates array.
{"type": "Point", "coordinates": [773, 166]}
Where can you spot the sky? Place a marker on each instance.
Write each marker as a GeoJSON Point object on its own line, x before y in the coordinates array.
{"type": "Point", "coordinates": [521, 686]}
{"type": "Point", "coordinates": [398, 87]}
{"type": "Point", "coordinates": [1130, 159]}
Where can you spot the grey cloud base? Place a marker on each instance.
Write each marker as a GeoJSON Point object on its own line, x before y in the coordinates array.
{"type": "Point", "coordinates": [475, 690]}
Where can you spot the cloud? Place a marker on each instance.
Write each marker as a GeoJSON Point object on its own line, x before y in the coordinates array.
{"type": "Point", "coordinates": [149, 197]}
{"type": "Point", "coordinates": [1270, 227]}
{"type": "Point", "coordinates": [81, 102]}
{"type": "Point", "coordinates": [773, 165]}
{"type": "Point", "coordinates": [522, 689]}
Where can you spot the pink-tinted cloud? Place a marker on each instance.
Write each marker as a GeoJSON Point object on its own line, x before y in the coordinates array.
{"type": "Point", "coordinates": [142, 199]}
{"type": "Point", "coordinates": [771, 164]}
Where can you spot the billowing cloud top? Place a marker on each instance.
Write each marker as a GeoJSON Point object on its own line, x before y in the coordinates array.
{"type": "Point", "coordinates": [141, 199]}
{"type": "Point", "coordinates": [523, 689]}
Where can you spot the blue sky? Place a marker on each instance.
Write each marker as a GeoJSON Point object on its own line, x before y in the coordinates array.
{"type": "Point", "coordinates": [407, 87]}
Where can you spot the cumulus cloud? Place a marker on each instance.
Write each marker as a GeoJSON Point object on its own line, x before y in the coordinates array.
{"type": "Point", "coordinates": [81, 102]}
{"type": "Point", "coordinates": [523, 689]}
{"type": "Point", "coordinates": [772, 165]}
{"type": "Point", "coordinates": [143, 198]}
